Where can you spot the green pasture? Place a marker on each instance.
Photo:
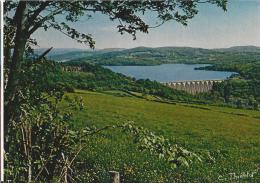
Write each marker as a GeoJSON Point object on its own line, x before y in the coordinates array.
{"type": "Point", "coordinates": [231, 137]}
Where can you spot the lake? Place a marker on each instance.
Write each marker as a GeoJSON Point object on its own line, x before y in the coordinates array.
{"type": "Point", "coordinates": [171, 72]}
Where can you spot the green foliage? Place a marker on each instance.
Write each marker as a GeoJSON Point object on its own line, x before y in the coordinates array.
{"type": "Point", "coordinates": [158, 145]}
{"type": "Point", "coordinates": [40, 144]}
{"type": "Point", "coordinates": [243, 90]}
{"type": "Point", "coordinates": [43, 140]}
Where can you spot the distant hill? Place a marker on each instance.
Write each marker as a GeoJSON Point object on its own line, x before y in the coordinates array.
{"type": "Point", "coordinates": [66, 54]}
{"type": "Point", "coordinates": [153, 56]}
{"type": "Point", "coordinates": [240, 49]}
{"type": "Point", "coordinates": [58, 51]}
{"type": "Point", "coordinates": [146, 55]}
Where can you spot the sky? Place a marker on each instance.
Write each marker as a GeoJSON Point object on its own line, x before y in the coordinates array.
{"type": "Point", "coordinates": [210, 28]}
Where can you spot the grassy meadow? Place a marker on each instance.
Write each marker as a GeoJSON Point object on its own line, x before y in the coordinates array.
{"type": "Point", "coordinates": [229, 137]}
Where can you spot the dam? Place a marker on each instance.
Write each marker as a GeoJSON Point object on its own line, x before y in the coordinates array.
{"type": "Point", "coordinates": [193, 87]}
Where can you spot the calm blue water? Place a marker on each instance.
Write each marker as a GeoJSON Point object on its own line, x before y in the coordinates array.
{"type": "Point", "coordinates": [170, 72]}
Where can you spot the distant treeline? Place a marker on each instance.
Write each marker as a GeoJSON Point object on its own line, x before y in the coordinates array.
{"type": "Point", "coordinates": [163, 55]}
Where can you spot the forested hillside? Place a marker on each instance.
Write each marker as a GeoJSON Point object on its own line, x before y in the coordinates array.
{"type": "Point", "coordinates": [242, 90]}
{"type": "Point", "coordinates": [161, 55]}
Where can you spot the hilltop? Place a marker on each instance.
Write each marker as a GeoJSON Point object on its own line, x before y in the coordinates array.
{"type": "Point", "coordinates": [240, 49]}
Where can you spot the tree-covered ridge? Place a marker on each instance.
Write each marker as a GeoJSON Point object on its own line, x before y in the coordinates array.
{"type": "Point", "coordinates": [161, 55]}
{"type": "Point", "coordinates": [242, 90]}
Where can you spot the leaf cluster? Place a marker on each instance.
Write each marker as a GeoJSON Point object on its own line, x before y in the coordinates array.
{"type": "Point", "coordinates": [158, 145]}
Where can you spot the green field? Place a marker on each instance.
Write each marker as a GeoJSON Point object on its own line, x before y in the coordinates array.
{"type": "Point", "coordinates": [231, 136]}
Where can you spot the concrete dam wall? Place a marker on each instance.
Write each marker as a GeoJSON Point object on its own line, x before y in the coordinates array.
{"type": "Point", "coordinates": [193, 87]}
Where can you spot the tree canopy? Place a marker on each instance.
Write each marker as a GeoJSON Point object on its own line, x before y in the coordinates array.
{"type": "Point", "coordinates": [32, 15]}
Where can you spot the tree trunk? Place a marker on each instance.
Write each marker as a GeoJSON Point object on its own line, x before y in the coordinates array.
{"type": "Point", "coordinates": [21, 37]}
{"type": "Point", "coordinates": [7, 54]}
{"type": "Point", "coordinates": [115, 177]}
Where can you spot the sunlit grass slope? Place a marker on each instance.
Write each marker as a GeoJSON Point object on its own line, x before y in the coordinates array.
{"type": "Point", "coordinates": [232, 137]}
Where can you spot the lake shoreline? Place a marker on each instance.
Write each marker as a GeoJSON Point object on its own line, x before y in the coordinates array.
{"type": "Point", "coordinates": [172, 72]}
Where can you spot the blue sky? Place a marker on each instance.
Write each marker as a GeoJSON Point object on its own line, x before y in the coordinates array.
{"type": "Point", "coordinates": [211, 28]}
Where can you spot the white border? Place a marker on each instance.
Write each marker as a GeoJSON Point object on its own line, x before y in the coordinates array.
{"type": "Point", "coordinates": [2, 98]}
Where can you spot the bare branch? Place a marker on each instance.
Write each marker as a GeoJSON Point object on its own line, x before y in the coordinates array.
{"type": "Point", "coordinates": [37, 12]}
{"type": "Point", "coordinates": [44, 19]}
